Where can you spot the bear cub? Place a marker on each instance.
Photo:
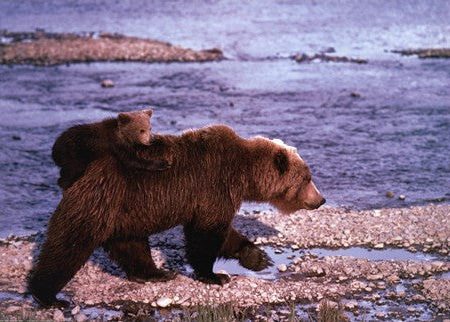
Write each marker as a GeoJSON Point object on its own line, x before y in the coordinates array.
{"type": "Point", "coordinates": [123, 137]}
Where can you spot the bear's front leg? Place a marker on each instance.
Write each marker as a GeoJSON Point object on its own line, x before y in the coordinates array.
{"type": "Point", "coordinates": [249, 255]}
{"type": "Point", "coordinates": [202, 249]}
{"type": "Point", "coordinates": [135, 258]}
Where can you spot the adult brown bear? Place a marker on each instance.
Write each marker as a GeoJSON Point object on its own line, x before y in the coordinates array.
{"type": "Point", "coordinates": [213, 171]}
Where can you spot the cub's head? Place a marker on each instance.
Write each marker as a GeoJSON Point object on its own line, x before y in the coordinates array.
{"type": "Point", "coordinates": [134, 127]}
{"type": "Point", "coordinates": [282, 178]}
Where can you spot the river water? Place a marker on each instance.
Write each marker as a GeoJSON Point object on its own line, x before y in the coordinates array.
{"type": "Point", "coordinates": [393, 136]}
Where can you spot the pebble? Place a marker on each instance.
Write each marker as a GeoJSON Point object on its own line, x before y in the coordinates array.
{"type": "Point", "coordinates": [380, 315]}
{"type": "Point", "coordinates": [402, 197]}
{"type": "Point", "coordinates": [164, 302]}
{"type": "Point", "coordinates": [351, 305]}
{"type": "Point", "coordinates": [379, 246]}
{"type": "Point", "coordinates": [12, 309]}
{"type": "Point", "coordinates": [107, 83]}
{"type": "Point", "coordinates": [75, 310]}
{"type": "Point", "coordinates": [58, 315]}
{"type": "Point", "coordinates": [390, 194]}
{"type": "Point", "coordinates": [80, 317]}
{"type": "Point", "coordinates": [282, 267]}
{"type": "Point", "coordinates": [374, 277]}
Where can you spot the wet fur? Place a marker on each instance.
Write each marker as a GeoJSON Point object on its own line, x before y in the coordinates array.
{"type": "Point", "coordinates": [213, 172]}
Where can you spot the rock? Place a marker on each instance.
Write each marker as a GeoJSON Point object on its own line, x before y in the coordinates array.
{"type": "Point", "coordinates": [437, 265]}
{"type": "Point", "coordinates": [402, 197]}
{"type": "Point", "coordinates": [80, 317]}
{"type": "Point", "coordinates": [379, 246]}
{"type": "Point", "coordinates": [390, 194]}
{"type": "Point", "coordinates": [12, 309]}
{"type": "Point", "coordinates": [222, 271]}
{"type": "Point", "coordinates": [295, 247]}
{"type": "Point", "coordinates": [16, 138]}
{"type": "Point", "coordinates": [58, 315]}
{"type": "Point", "coordinates": [282, 267]}
{"type": "Point", "coordinates": [89, 302]}
{"type": "Point", "coordinates": [351, 305]}
{"type": "Point", "coordinates": [380, 315]}
{"type": "Point", "coordinates": [107, 83]}
{"type": "Point", "coordinates": [164, 302]}
{"type": "Point", "coordinates": [27, 265]}
{"type": "Point", "coordinates": [355, 94]}
{"type": "Point", "coordinates": [75, 310]}
{"type": "Point", "coordinates": [374, 277]}
{"type": "Point", "coordinates": [381, 285]}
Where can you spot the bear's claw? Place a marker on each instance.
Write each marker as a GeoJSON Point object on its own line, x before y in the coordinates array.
{"type": "Point", "coordinates": [253, 258]}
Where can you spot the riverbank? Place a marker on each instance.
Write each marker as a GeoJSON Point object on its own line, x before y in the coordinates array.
{"type": "Point", "coordinates": [45, 49]}
{"type": "Point", "coordinates": [414, 287]}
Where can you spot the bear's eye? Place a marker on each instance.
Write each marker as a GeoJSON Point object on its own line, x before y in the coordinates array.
{"type": "Point", "coordinates": [142, 131]}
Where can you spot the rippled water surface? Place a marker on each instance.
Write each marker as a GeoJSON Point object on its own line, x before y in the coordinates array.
{"type": "Point", "coordinates": [394, 136]}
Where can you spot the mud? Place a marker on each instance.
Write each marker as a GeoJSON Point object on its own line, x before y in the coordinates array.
{"type": "Point", "coordinates": [42, 49]}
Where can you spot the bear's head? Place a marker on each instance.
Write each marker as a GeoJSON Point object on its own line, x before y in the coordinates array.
{"type": "Point", "coordinates": [135, 127]}
{"type": "Point", "coordinates": [282, 178]}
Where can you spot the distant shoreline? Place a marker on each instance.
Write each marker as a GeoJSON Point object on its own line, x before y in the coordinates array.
{"type": "Point", "coordinates": [48, 49]}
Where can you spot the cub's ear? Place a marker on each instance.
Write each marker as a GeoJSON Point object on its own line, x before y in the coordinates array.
{"type": "Point", "coordinates": [124, 118]}
{"type": "Point", "coordinates": [281, 161]}
{"type": "Point", "coordinates": [149, 112]}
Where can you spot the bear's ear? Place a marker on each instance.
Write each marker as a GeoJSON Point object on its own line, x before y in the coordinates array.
{"type": "Point", "coordinates": [124, 118]}
{"type": "Point", "coordinates": [281, 161]}
{"type": "Point", "coordinates": [148, 111]}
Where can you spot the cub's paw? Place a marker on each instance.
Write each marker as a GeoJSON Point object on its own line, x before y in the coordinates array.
{"type": "Point", "coordinates": [253, 258]}
{"type": "Point", "coordinates": [156, 276]}
{"type": "Point", "coordinates": [213, 278]}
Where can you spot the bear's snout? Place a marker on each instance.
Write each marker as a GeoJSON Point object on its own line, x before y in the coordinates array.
{"type": "Point", "coordinates": [313, 199]}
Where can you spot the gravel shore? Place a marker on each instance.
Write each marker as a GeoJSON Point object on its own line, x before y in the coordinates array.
{"type": "Point", "coordinates": [306, 279]}
{"type": "Point", "coordinates": [45, 49]}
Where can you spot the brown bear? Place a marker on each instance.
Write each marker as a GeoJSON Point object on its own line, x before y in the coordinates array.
{"type": "Point", "coordinates": [123, 137]}
{"type": "Point", "coordinates": [214, 170]}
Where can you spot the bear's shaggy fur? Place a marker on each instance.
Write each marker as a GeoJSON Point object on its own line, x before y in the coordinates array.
{"type": "Point", "coordinates": [214, 170]}
{"type": "Point", "coordinates": [123, 137]}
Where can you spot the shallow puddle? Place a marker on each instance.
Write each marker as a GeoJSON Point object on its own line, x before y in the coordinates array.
{"type": "Point", "coordinates": [376, 254]}
{"type": "Point", "coordinates": [102, 314]}
{"type": "Point", "coordinates": [10, 296]}
{"type": "Point", "coordinates": [286, 255]}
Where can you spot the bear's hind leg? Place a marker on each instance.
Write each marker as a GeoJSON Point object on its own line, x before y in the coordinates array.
{"type": "Point", "coordinates": [135, 258]}
{"type": "Point", "coordinates": [61, 256]}
{"type": "Point", "coordinates": [202, 249]}
{"type": "Point", "coordinates": [249, 255]}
